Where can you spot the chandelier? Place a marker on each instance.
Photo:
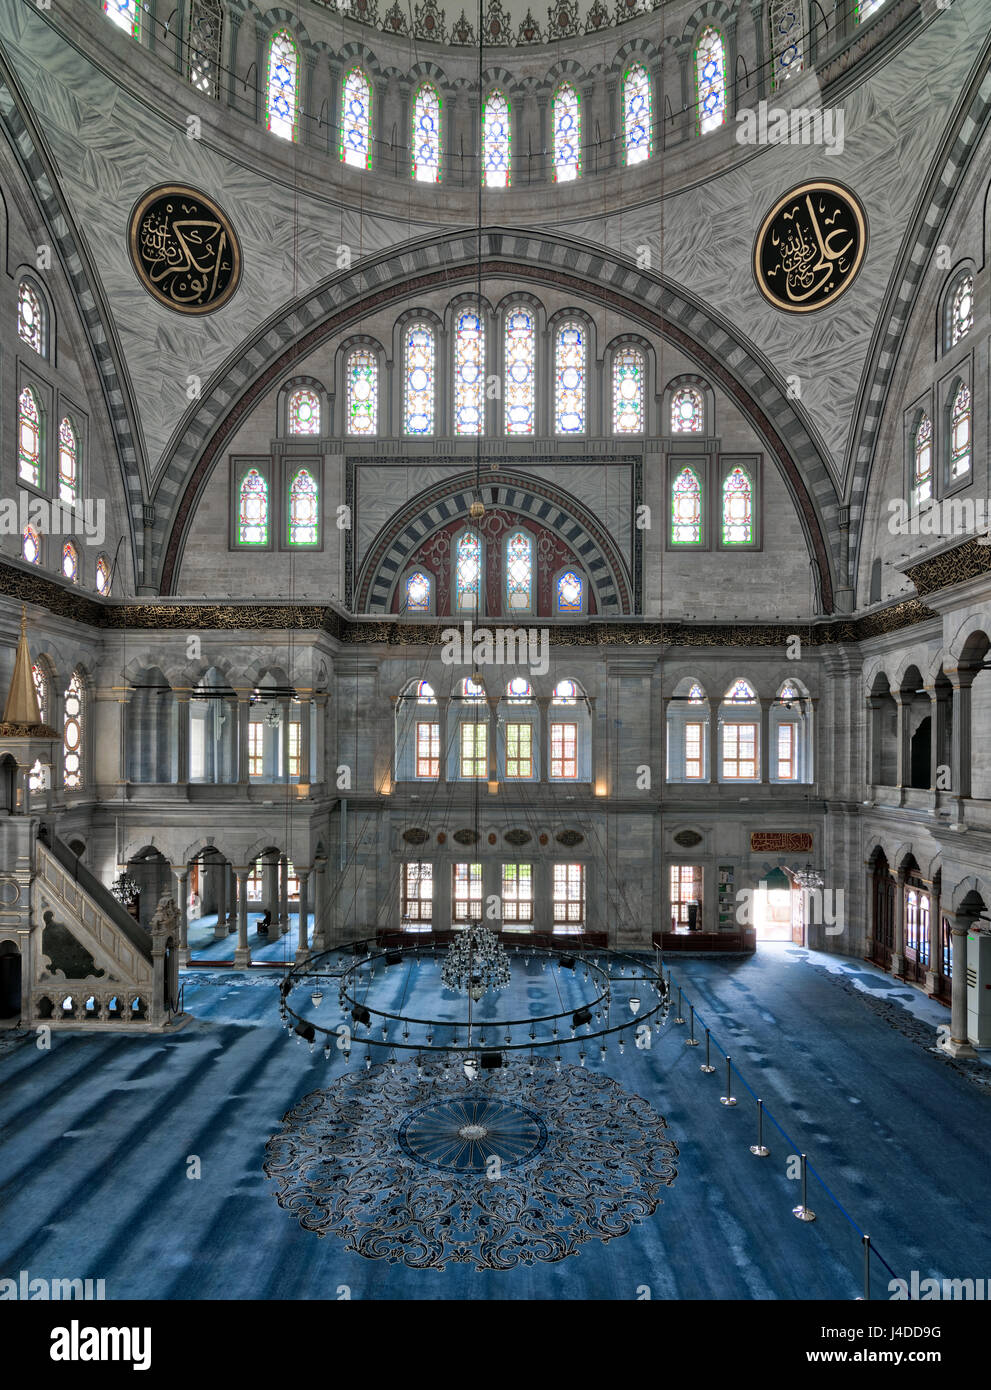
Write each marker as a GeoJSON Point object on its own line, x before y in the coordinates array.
{"type": "Point", "coordinates": [125, 889]}
{"type": "Point", "coordinates": [476, 962]}
{"type": "Point", "coordinates": [808, 879]}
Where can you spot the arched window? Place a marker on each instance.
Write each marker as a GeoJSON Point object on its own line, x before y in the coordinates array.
{"type": "Point", "coordinates": [303, 411]}
{"type": "Point", "coordinates": [785, 20]}
{"type": "Point", "coordinates": [68, 462]}
{"type": "Point", "coordinates": [520, 369]}
{"type": "Point", "coordinates": [417, 593]}
{"type": "Point", "coordinates": [627, 390]}
{"type": "Point", "coordinates": [472, 690]}
{"type": "Point", "coordinates": [686, 509]}
{"type": "Point", "coordinates": [637, 117]}
{"type": "Point", "coordinates": [569, 379]}
{"type": "Point", "coordinates": [567, 116]}
{"type": "Point", "coordinates": [710, 80]}
{"type": "Point", "coordinates": [252, 509]}
{"type": "Point", "coordinates": [425, 694]}
{"type": "Point", "coordinates": [70, 562]}
{"type": "Point", "coordinates": [687, 411]}
{"type": "Point", "coordinates": [789, 692]}
{"type": "Point", "coordinates": [72, 734]}
{"type": "Point", "coordinates": [688, 733]}
{"type": "Point", "coordinates": [696, 695]}
{"type": "Point", "coordinates": [496, 142]}
{"type": "Point", "coordinates": [565, 693]}
{"type": "Point", "coordinates": [960, 418]}
{"type": "Point", "coordinates": [31, 318]}
{"type": "Point", "coordinates": [519, 572]}
{"type": "Point", "coordinates": [418, 413]}
{"type": "Point", "coordinates": [467, 572]}
{"type": "Point", "coordinates": [519, 691]}
{"type": "Point", "coordinates": [426, 135]}
{"type": "Point", "coordinates": [206, 24]}
{"type": "Point", "coordinates": [304, 509]}
{"type": "Point", "coordinates": [469, 373]}
{"type": "Point", "coordinates": [126, 14]}
{"type": "Point", "coordinates": [569, 593]}
{"type": "Point", "coordinates": [28, 438]}
{"type": "Point", "coordinates": [356, 107]}
{"type": "Point", "coordinates": [738, 509]}
{"type": "Point", "coordinates": [922, 450]}
{"type": "Point", "coordinates": [741, 692]}
{"type": "Point", "coordinates": [283, 71]}
{"type": "Point", "coordinates": [959, 310]}
{"type": "Point", "coordinates": [102, 576]}
{"type": "Point", "coordinates": [31, 545]}
{"type": "Point", "coordinates": [865, 8]}
{"type": "Point", "coordinates": [362, 374]}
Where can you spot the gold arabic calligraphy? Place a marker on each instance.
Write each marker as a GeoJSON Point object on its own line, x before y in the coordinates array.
{"type": "Point", "coordinates": [810, 248]}
{"type": "Point", "coordinates": [184, 251]}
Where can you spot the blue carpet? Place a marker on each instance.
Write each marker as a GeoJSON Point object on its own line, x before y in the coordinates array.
{"type": "Point", "coordinates": [140, 1160]}
{"type": "Point", "coordinates": [202, 946]}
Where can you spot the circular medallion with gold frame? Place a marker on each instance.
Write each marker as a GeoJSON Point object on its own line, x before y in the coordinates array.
{"type": "Point", "coordinates": [184, 250]}
{"type": "Point", "coordinates": [810, 247]}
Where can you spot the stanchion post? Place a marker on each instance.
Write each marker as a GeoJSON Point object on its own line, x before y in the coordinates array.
{"type": "Point", "coordinates": [802, 1212]}
{"type": "Point", "coordinates": [729, 1098]}
{"type": "Point", "coordinates": [865, 1297]}
{"type": "Point", "coordinates": [760, 1149]}
{"type": "Point", "coordinates": [678, 1017]}
{"type": "Point", "coordinates": [692, 1040]}
{"type": "Point", "coordinates": [707, 1066]}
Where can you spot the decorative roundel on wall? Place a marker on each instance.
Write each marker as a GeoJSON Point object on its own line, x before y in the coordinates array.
{"type": "Point", "coordinates": [184, 250]}
{"type": "Point", "coordinates": [687, 838]}
{"type": "Point", "coordinates": [415, 836]}
{"type": "Point", "coordinates": [810, 247]}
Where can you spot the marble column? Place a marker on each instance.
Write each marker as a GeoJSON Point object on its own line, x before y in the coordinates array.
{"type": "Point", "coordinates": [961, 743]}
{"type": "Point", "coordinates": [283, 893]}
{"type": "Point", "coordinates": [543, 738]}
{"type": "Point", "coordinates": [182, 770]}
{"type": "Point", "coordinates": [270, 894]}
{"type": "Point", "coordinates": [898, 943]}
{"type": "Point", "coordinates": [765, 738]}
{"type": "Point", "coordinates": [959, 1044]}
{"type": "Point", "coordinates": [320, 906]}
{"type": "Point", "coordinates": [182, 877]}
{"type": "Point", "coordinates": [218, 882]}
{"type": "Point", "coordinates": [303, 941]}
{"type": "Point", "coordinates": [232, 900]}
{"type": "Point", "coordinates": [443, 704]}
{"type": "Point", "coordinates": [242, 955]}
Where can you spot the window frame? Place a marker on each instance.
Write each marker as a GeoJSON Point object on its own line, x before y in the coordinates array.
{"type": "Point", "coordinates": [241, 464]}
{"type": "Point", "coordinates": [416, 920]}
{"type": "Point", "coordinates": [479, 730]}
{"type": "Point", "coordinates": [431, 758]}
{"type": "Point", "coordinates": [515, 920]}
{"type": "Point", "coordinates": [752, 466]}
{"type": "Point", "coordinates": [562, 923]}
{"type": "Point", "coordinates": [290, 464]}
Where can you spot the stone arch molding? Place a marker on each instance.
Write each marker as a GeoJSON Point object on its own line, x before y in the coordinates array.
{"type": "Point", "coordinates": [534, 502]}
{"type": "Point", "coordinates": [530, 261]}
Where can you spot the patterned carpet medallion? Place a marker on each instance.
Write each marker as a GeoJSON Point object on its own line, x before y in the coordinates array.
{"type": "Point", "coordinates": [515, 1167]}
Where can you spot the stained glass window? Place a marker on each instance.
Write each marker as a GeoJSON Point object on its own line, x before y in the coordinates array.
{"type": "Point", "coordinates": [356, 106]}
{"type": "Point", "coordinates": [570, 592]}
{"type": "Point", "coordinates": [865, 8]}
{"type": "Point", "coordinates": [363, 392]}
{"type": "Point", "coordinates": [567, 118]}
{"type": "Point", "coordinates": [627, 390]}
{"type": "Point", "coordinates": [304, 519]}
{"type": "Point", "coordinates": [789, 692]}
{"type": "Point", "coordinates": [303, 410]}
{"type": "Point", "coordinates": [961, 310]}
{"type": "Point", "coordinates": [468, 567]}
{"type": "Point", "coordinates": [520, 349]}
{"type": "Point", "coordinates": [206, 22]}
{"type": "Point", "coordinates": [72, 734]}
{"type": "Point", "coordinates": [126, 14]}
{"type": "Point", "coordinates": [696, 695]}
{"type": "Point", "coordinates": [425, 694]}
{"type": "Point", "coordinates": [519, 691]}
{"type": "Point", "coordinates": [923, 450]}
{"type": "Point", "coordinates": [417, 593]}
{"type": "Point", "coordinates": [426, 135]}
{"type": "Point", "coordinates": [687, 411]}
{"type": "Point", "coordinates": [960, 416]}
{"type": "Point", "coordinates": [565, 693]}
{"type": "Point", "coordinates": [283, 70]}
{"type": "Point", "coordinates": [28, 438]}
{"type": "Point", "coordinates": [741, 692]}
{"type": "Point", "coordinates": [472, 690]}
{"type": "Point", "coordinates": [710, 80]}
{"type": "Point", "coordinates": [637, 119]}
{"type": "Point", "coordinates": [68, 462]}
{"type": "Point", "coordinates": [738, 514]}
{"type": "Point", "coordinates": [569, 379]}
{"type": "Point", "coordinates": [519, 572]}
{"type": "Point", "coordinates": [30, 317]}
{"type": "Point", "coordinates": [686, 509]}
{"type": "Point", "coordinates": [31, 546]}
{"type": "Point", "coordinates": [496, 142]}
{"type": "Point", "coordinates": [419, 404]}
{"type": "Point", "coordinates": [252, 502]}
{"type": "Point", "coordinates": [102, 577]}
{"type": "Point", "coordinates": [70, 562]}
{"type": "Point", "coordinates": [469, 373]}
{"type": "Point", "coordinates": [785, 19]}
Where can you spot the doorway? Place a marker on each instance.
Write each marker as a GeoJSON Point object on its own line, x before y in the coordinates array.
{"type": "Point", "coordinates": [10, 981]}
{"type": "Point", "coordinates": [775, 907]}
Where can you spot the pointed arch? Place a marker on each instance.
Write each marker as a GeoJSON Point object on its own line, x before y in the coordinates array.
{"type": "Point", "coordinates": [497, 157]}
{"type": "Point", "coordinates": [426, 137]}
{"type": "Point", "coordinates": [566, 114]}
{"type": "Point", "coordinates": [282, 101]}
{"type": "Point", "coordinates": [356, 116]}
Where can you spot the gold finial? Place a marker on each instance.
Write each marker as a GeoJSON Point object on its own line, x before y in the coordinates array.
{"type": "Point", "coordinates": [477, 510]}
{"type": "Point", "coordinates": [22, 698]}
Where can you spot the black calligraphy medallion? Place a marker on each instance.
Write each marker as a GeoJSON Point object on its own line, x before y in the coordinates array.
{"type": "Point", "coordinates": [184, 250]}
{"type": "Point", "coordinates": [810, 247]}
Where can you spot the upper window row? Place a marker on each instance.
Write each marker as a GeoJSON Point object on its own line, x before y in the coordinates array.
{"type": "Point", "coordinates": [517, 388]}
